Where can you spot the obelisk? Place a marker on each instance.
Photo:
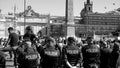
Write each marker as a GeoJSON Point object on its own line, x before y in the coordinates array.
{"type": "Point", "coordinates": [70, 19]}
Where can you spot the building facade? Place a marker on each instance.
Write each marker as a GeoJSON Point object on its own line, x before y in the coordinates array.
{"type": "Point", "coordinates": [29, 17]}
{"type": "Point", "coordinates": [97, 23]}
{"type": "Point", "coordinates": [6, 21]}
{"type": "Point", "coordinates": [39, 22]}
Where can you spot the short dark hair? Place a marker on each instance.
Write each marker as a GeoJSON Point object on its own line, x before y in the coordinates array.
{"type": "Point", "coordinates": [10, 28]}
{"type": "Point", "coordinates": [29, 28]}
{"type": "Point", "coordinates": [71, 39]}
{"type": "Point", "coordinates": [89, 37]}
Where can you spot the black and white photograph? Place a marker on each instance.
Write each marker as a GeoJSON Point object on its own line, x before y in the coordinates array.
{"type": "Point", "coordinates": [59, 33]}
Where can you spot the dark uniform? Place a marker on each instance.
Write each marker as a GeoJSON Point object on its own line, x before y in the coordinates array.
{"type": "Point", "coordinates": [50, 57]}
{"type": "Point", "coordinates": [105, 57]}
{"type": "Point", "coordinates": [91, 56]}
{"type": "Point", "coordinates": [30, 36]}
{"type": "Point", "coordinates": [72, 54]}
{"type": "Point", "coordinates": [115, 54]}
{"type": "Point", "coordinates": [27, 57]}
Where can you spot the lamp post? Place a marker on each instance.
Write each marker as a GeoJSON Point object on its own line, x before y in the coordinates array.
{"type": "Point", "coordinates": [15, 23]}
{"type": "Point", "coordinates": [24, 14]}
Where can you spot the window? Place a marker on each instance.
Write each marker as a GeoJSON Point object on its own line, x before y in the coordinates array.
{"type": "Point", "coordinates": [89, 8]}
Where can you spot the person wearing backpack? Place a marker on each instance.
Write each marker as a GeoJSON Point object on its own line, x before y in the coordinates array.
{"type": "Point", "coordinates": [50, 54]}
{"type": "Point", "coordinates": [72, 54]}
{"type": "Point", "coordinates": [27, 55]}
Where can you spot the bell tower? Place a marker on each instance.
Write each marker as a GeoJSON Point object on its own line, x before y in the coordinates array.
{"type": "Point", "coordinates": [88, 6]}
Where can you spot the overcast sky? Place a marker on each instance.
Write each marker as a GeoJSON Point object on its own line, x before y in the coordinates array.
{"type": "Point", "coordinates": [57, 7]}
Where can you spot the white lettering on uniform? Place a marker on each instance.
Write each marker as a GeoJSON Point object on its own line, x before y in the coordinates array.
{"type": "Point", "coordinates": [31, 56]}
{"type": "Point", "coordinates": [72, 51]}
{"type": "Point", "coordinates": [92, 50]}
{"type": "Point", "coordinates": [51, 53]}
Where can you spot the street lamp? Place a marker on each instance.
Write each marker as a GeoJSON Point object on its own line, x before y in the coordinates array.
{"type": "Point", "coordinates": [14, 23]}
{"type": "Point", "coordinates": [24, 14]}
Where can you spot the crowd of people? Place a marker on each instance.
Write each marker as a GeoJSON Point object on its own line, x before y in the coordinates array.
{"type": "Point", "coordinates": [38, 51]}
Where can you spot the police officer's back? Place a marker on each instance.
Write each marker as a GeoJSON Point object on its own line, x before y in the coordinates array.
{"type": "Point", "coordinates": [105, 54]}
{"type": "Point", "coordinates": [50, 55]}
{"type": "Point", "coordinates": [27, 55]}
{"type": "Point", "coordinates": [115, 52]}
{"type": "Point", "coordinates": [91, 54]}
{"type": "Point", "coordinates": [71, 54]}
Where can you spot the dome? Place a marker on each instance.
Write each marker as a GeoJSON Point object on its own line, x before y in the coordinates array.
{"type": "Point", "coordinates": [82, 12]}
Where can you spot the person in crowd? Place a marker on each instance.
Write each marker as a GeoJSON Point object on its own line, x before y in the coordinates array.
{"type": "Point", "coordinates": [19, 34]}
{"type": "Point", "coordinates": [115, 52]}
{"type": "Point", "coordinates": [39, 34]}
{"type": "Point", "coordinates": [71, 54]}
{"type": "Point", "coordinates": [50, 55]}
{"type": "Point", "coordinates": [29, 34]}
{"type": "Point", "coordinates": [28, 56]}
{"type": "Point", "coordinates": [13, 42]}
{"type": "Point", "coordinates": [91, 54]}
{"type": "Point", "coordinates": [105, 54]}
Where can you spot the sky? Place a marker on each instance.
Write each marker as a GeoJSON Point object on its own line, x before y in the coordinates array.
{"type": "Point", "coordinates": [57, 7]}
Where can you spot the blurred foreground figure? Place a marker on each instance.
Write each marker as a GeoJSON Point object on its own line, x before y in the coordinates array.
{"type": "Point", "coordinates": [72, 54]}
{"type": "Point", "coordinates": [105, 54]}
{"type": "Point", "coordinates": [2, 60]}
{"type": "Point", "coordinates": [115, 52]}
{"type": "Point", "coordinates": [27, 55]}
{"type": "Point", "coordinates": [91, 54]}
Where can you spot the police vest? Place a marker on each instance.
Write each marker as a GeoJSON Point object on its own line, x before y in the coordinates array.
{"type": "Point", "coordinates": [72, 54]}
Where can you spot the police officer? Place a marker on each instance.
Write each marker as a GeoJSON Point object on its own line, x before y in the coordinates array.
{"type": "Point", "coordinates": [71, 54]}
{"type": "Point", "coordinates": [115, 52]}
{"type": "Point", "coordinates": [50, 55]}
{"type": "Point", "coordinates": [27, 55]}
{"type": "Point", "coordinates": [105, 54]}
{"type": "Point", "coordinates": [91, 54]}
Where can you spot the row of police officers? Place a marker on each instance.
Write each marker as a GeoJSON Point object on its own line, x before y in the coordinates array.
{"type": "Point", "coordinates": [32, 53]}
